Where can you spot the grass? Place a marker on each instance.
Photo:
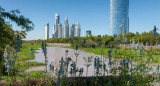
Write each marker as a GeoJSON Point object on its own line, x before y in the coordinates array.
{"type": "Point", "coordinates": [37, 74]}
{"type": "Point", "coordinates": [24, 65]}
{"type": "Point", "coordinates": [32, 74]}
{"type": "Point", "coordinates": [96, 50]}
{"type": "Point", "coordinates": [128, 52]}
{"type": "Point", "coordinates": [59, 46]}
{"type": "Point", "coordinates": [24, 52]}
{"type": "Point", "coordinates": [23, 56]}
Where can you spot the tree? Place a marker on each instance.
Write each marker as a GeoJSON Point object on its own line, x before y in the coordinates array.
{"type": "Point", "coordinates": [7, 33]}
{"type": "Point", "coordinates": [137, 33]}
{"type": "Point", "coordinates": [155, 28]}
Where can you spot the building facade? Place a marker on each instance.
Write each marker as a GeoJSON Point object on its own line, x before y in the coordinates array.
{"type": "Point", "coordinates": [66, 29]}
{"type": "Point", "coordinates": [119, 14]}
{"type": "Point", "coordinates": [88, 33]}
{"type": "Point", "coordinates": [53, 31]}
{"type": "Point", "coordinates": [46, 31]}
{"type": "Point", "coordinates": [72, 30]}
{"type": "Point", "coordinates": [57, 21]}
{"type": "Point", "coordinates": [77, 30]}
{"type": "Point", "coordinates": [62, 31]}
{"type": "Point", "coordinates": [59, 30]}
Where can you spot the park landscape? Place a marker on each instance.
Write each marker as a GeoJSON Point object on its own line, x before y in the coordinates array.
{"type": "Point", "coordinates": [126, 59]}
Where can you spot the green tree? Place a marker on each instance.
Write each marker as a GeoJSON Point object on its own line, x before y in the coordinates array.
{"type": "Point", "coordinates": [7, 33]}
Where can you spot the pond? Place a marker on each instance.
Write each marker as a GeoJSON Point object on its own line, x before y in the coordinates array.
{"type": "Point", "coordinates": [54, 55]}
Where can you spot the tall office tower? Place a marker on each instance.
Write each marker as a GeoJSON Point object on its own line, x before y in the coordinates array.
{"type": "Point", "coordinates": [77, 30]}
{"type": "Point", "coordinates": [88, 33]}
{"type": "Point", "coordinates": [66, 28]}
{"type": "Point", "coordinates": [46, 30]}
{"type": "Point", "coordinates": [62, 36]}
{"type": "Point", "coordinates": [57, 21]}
{"type": "Point", "coordinates": [59, 30]}
{"type": "Point", "coordinates": [119, 15]}
{"type": "Point", "coordinates": [72, 30]}
{"type": "Point", "coordinates": [53, 31]}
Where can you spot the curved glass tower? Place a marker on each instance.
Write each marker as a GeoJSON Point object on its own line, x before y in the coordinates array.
{"type": "Point", "coordinates": [119, 12]}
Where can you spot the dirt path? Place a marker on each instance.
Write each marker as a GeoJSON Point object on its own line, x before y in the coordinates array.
{"type": "Point", "coordinates": [60, 44]}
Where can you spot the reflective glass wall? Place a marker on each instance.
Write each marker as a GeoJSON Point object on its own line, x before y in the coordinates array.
{"type": "Point", "coordinates": [119, 10]}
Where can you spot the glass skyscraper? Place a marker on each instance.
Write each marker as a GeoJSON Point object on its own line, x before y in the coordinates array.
{"type": "Point", "coordinates": [72, 30]}
{"type": "Point", "coordinates": [66, 28]}
{"type": "Point", "coordinates": [46, 31]}
{"type": "Point", "coordinates": [119, 12]}
{"type": "Point", "coordinates": [57, 21]}
{"type": "Point", "coordinates": [77, 30]}
{"type": "Point", "coordinates": [59, 30]}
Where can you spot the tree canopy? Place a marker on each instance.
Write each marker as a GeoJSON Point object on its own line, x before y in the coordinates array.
{"type": "Point", "coordinates": [6, 31]}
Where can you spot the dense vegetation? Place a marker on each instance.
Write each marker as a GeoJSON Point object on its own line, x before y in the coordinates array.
{"type": "Point", "coordinates": [147, 38]}
{"type": "Point", "coordinates": [9, 37]}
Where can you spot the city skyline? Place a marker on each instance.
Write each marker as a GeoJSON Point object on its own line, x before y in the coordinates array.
{"type": "Point", "coordinates": [92, 14]}
{"type": "Point", "coordinates": [64, 30]}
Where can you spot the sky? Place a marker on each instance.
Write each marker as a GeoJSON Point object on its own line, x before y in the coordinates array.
{"type": "Point", "coordinates": [92, 15]}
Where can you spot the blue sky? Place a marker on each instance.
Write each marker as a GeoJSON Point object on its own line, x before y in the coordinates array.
{"type": "Point", "coordinates": [92, 14]}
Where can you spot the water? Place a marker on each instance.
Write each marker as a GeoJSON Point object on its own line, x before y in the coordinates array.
{"type": "Point", "coordinates": [54, 55]}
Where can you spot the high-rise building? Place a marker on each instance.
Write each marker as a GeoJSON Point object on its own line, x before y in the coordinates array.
{"type": "Point", "coordinates": [57, 21]}
{"type": "Point", "coordinates": [66, 28]}
{"type": "Point", "coordinates": [77, 30]}
{"type": "Point", "coordinates": [88, 33]}
{"type": "Point", "coordinates": [46, 30]}
{"type": "Point", "coordinates": [119, 14]}
{"type": "Point", "coordinates": [59, 30]}
{"type": "Point", "coordinates": [53, 31]}
{"type": "Point", "coordinates": [72, 30]}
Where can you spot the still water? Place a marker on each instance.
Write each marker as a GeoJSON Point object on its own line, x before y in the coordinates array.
{"type": "Point", "coordinates": [54, 55]}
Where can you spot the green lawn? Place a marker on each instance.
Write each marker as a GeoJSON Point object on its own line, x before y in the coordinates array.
{"type": "Point", "coordinates": [24, 52]}
{"type": "Point", "coordinates": [122, 53]}
{"type": "Point", "coordinates": [24, 65]}
{"type": "Point", "coordinates": [24, 56]}
{"type": "Point", "coordinates": [24, 76]}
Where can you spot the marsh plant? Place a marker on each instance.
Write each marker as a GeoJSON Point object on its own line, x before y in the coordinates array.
{"type": "Point", "coordinates": [88, 63]}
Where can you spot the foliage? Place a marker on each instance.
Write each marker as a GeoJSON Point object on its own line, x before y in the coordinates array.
{"type": "Point", "coordinates": [7, 35]}
{"type": "Point", "coordinates": [147, 38]}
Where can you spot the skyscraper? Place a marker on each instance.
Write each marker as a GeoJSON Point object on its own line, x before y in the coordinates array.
{"type": "Point", "coordinates": [88, 33]}
{"type": "Point", "coordinates": [59, 30]}
{"type": "Point", "coordinates": [77, 30]}
{"type": "Point", "coordinates": [66, 28]}
{"type": "Point", "coordinates": [53, 31]}
{"type": "Point", "coordinates": [72, 30]}
{"type": "Point", "coordinates": [119, 12]}
{"type": "Point", "coordinates": [57, 21]}
{"type": "Point", "coordinates": [46, 31]}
